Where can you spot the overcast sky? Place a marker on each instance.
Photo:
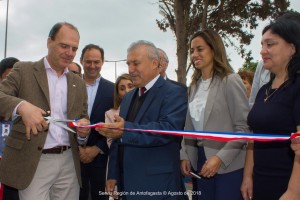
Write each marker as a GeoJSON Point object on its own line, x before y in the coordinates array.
{"type": "Point", "coordinates": [111, 24]}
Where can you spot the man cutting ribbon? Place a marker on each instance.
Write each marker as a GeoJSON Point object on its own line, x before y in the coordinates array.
{"type": "Point", "coordinates": [35, 149]}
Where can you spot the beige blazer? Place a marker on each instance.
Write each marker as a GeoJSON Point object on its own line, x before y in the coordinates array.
{"type": "Point", "coordinates": [226, 110]}
{"type": "Point", "coordinates": [28, 81]}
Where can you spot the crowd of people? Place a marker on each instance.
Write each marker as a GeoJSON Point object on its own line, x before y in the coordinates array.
{"type": "Point", "coordinates": [124, 157]}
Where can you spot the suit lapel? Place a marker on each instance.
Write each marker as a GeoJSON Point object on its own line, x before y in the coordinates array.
{"type": "Point", "coordinates": [149, 98]}
{"type": "Point", "coordinates": [71, 85]}
{"type": "Point", "coordinates": [41, 75]}
{"type": "Point", "coordinates": [211, 98]}
{"type": "Point", "coordinates": [127, 102]}
{"type": "Point", "coordinates": [146, 104]}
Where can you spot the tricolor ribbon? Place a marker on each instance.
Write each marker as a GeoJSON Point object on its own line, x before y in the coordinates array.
{"type": "Point", "coordinates": [220, 136]}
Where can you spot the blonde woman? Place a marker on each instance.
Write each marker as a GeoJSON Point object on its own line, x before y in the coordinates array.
{"type": "Point", "coordinates": [122, 86]}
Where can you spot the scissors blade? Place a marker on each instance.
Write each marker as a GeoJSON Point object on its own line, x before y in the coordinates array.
{"type": "Point", "coordinates": [65, 120]}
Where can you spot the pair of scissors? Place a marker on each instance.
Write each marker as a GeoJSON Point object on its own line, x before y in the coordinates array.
{"type": "Point", "coordinates": [59, 122]}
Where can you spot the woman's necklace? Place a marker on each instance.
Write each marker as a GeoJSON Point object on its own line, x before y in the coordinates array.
{"type": "Point", "coordinates": [270, 93]}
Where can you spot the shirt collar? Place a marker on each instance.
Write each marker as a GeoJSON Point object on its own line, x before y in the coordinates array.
{"type": "Point", "coordinates": [95, 82]}
{"type": "Point", "coordinates": [149, 85]}
{"type": "Point", "coordinates": [48, 66]}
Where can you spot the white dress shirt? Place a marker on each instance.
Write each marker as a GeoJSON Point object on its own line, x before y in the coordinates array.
{"type": "Point", "coordinates": [92, 92]}
{"type": "Point", "coordinates": [197, 105]}
{"type": "Point", "coordinates": [58, 91]}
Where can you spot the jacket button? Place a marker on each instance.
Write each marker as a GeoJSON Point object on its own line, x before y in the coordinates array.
{"type": "Point", "coordinates": [40, 148]}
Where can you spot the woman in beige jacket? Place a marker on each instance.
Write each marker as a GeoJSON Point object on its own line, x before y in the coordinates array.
{"type": "Point", "coordinates": [217, 102]}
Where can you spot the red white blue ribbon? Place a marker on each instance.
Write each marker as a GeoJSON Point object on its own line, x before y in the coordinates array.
{"type": "Point", "coordinates": [220, 136]}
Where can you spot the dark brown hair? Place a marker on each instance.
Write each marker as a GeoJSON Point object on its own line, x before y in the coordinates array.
{"type": "Point", "coordinates": [54, 30]}
{"type": "Point", "coordinates": [221, 65]}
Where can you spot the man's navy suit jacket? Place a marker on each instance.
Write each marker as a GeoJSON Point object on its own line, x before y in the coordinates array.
{"type": "Point", "coordinates": [103, 102]}
{"type": "Point", "coordinates": [151, 161]}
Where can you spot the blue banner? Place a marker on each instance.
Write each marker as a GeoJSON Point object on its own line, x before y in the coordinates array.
{"type": "Point", "coordinates": [5, 127]}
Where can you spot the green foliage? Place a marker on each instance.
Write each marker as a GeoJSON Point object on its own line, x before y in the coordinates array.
{"type": "Point", "coordinates": [234, 20]}
{"type": "Point", "coordinates": [250, 65]}
{"type": "Point", "coordinates": [231, 18]}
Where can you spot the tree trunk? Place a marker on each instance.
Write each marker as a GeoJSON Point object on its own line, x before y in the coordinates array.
{"type": "Point", "coordinates": [181, 37]}
{"type": "Point", "coordinates": [204, 17]}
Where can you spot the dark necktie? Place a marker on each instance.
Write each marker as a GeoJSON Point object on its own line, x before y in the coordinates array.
{"type": "Point", "coordinates": [143, 90]}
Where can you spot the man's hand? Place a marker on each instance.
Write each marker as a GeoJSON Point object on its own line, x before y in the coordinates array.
{"type": "Point", "coordinates": [83, 132]}
{"type": "Point", "coordinates": [32, 118]}
{"type": "Point", "coordinates": [113, 130]}
{"type": "Point", "coordinates": [87, 154]}
{"type": "Point", "coordinates": [111, 188]}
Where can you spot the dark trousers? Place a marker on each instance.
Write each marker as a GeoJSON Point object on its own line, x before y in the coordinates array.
{"type": "Point", "coordinates": [221, 186]}
{"type": "Point", "coordinates": [10, 193]}
{"type": "Point", "coordinates": [93, 182]}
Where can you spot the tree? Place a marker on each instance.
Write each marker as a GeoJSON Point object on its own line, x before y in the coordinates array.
{"type": "Point", "coordinates": [234, 20]}
{"type": "Point", "coordinates": [251, 66]}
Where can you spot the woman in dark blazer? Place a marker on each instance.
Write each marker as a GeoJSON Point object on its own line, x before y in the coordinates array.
{"type": "Point", "coordinates": [217, 102]}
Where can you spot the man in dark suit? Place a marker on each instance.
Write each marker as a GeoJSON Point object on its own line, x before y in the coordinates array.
{"type": "Point", "coordinates": [42, 161]}
{"type": "Point", "coordinates": [163, 63]}
{"type": "Point", "coordinates": [163, 66]}
{"type": "Point", "coordinates": [146, 165]}
{"type": "Point", "coordinates": [94, 155]}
